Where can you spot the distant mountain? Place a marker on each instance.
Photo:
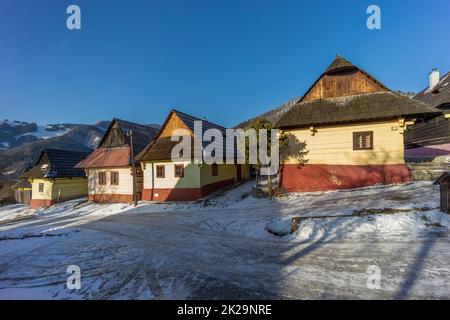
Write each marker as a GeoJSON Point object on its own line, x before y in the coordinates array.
{"type": "Point", "coordinates": [22, 142]}
{"type": "Point", "coordinates": [79, 138]}
{"type": "Point", "coordinates": [17, 133]}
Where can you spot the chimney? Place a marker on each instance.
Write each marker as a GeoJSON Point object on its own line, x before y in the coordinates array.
{"type": "Point", "coordinates": [434, 78]}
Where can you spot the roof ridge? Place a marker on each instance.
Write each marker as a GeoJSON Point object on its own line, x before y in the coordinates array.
{"type": "Point", "coordinates": [132, 123]}
{"type": "Point", "coordinates": [199, 119]}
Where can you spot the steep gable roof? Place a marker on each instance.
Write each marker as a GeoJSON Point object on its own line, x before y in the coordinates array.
{"type": "Point", "coordinates": [339, 71]}
{"type": "Point", "coordinates": [439, 96]}
{"type": "Point", "coordinates": [345, 93]}
{"type": "Point", "coordinates": [142, 134]}
{"type": "Point", "coordinates": [369, 106]}
{"type": "Point", "coordinates": [339, 64]}
{"type": "Point", "coordinates": [337, 80]}
{"type": "Point", "coordinates": [53, 163]}
{"type": "Point", "coordinates": [114, 149]}
{"type": "Point", "coordinates": [161, 147]}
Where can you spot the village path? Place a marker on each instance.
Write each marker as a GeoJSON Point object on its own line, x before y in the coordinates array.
{"type": "Point", "coordinates": [221, 253]}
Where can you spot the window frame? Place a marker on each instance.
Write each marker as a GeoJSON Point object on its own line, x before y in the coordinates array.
{"type": "Point", "coordinates": [158, 175]}
{"type": "Point", "coordinates": [175, 166]}
{"type": "Point", "coordinates": [356, 135]}
{"type": "Point", "coordinates": [114, 173]}
{"type": "Point", "coordinates": [41, 187]}
{"type": "Point", "coordinates": [102, 179]}
{"type": "Point", "coordinates": [214, 170]}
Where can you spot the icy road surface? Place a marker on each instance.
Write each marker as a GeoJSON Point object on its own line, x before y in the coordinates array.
{"type": "Point", "coordinates": [221, 250]}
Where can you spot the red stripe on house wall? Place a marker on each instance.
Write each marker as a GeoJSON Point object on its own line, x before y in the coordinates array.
{"type": "Point", "coordinates": [38, 203]}
{"type": "Point", "coordinates": [313, 177]}
{"type": "Point", "coordinates": [113, 198]}
{"type": "Point", "coordinates": [183, 194]}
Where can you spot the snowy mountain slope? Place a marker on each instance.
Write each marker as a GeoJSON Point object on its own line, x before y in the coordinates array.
{"type": "Point", "coordinates": [78, 138]}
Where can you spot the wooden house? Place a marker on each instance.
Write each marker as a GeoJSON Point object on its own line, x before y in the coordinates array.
{"type": "Point", "coordinates": [165, 180]}
{"type": "Point", "coordinates": [109, 167]}
{"type": "Point", "coordinates": [353, 127]}
{"type": "Point", "coordinates": [444, 182]}
{"type": "Point", "coordinates": [22, 191]}
{"type": "Point", "coordinates": [431, 138]}
{"type": "Point", "coordinates": [54, 178]}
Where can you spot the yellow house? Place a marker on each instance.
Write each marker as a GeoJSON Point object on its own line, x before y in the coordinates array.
{"type": "Point", "coordinates": [165, 180]}
{"type": "Point", "coordinates": [54, 178]}
{"type": "Point", "coordinates": [353, 127]}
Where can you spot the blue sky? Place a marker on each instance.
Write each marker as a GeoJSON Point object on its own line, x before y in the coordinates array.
{"type": "Point", "coordinates": [227, 60]}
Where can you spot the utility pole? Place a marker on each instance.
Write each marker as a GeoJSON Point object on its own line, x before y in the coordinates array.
{"type": "Point", "coordinates": [133, 167]}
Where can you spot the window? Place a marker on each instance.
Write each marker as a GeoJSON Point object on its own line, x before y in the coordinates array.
{"type": "Point", "coordinates": [215, 170]}
{"type": "Point", "coordinates": [114, 178]}
{"type": "Point", "coordinates": [160, 171]}
{"type": "Point", "coordinates": [363, 140]}
{"type": "Point", "coordinates": [179, 171]}
{"type": "Point", "coordinates": [102, 178]}
{"type": "Point", "coordinates": [41, 187]}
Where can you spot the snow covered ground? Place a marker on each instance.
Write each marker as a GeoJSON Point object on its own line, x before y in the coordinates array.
{"type": "Point", "coordinates": [220, 248]}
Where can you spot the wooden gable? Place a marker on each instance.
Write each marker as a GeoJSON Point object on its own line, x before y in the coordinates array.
{"type": "Point", "coordinates": [342, 84]}
{"type": "Point", "coordinates": [43, 159]}
{"type": "Point", "coordinates": [113, 137]}
{"type": "Point", "coordinates": [172, 123]}
{"type": "Point", "coordinates": [342, 79]}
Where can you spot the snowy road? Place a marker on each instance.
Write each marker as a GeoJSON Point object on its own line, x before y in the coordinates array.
{"type": "Point", "coordinates": [177, 252]}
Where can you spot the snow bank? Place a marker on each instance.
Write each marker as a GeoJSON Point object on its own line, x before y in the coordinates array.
{"type": "Point", "coordinates": [280, 227]}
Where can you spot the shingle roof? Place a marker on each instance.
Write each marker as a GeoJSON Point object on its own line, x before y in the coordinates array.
{"type": "Point", "coordinates": [22, 183]}
{"type": "Point", "coordinates": [338, 64]}
{"type": "Point", "coordinates": [142, 134]}
{"type": "Point", "coordinates": [106, 158]}
{"type": "Point", "coordinates": [369, 106]}
{"type": "Point", "coordinates": [161, 148]}
{"type": "Point", "coordinates": [54, 163]}
{"type": "Point", "coordinates": [189, 122]}
{"type": "Point", "coordinates": [439, 95]}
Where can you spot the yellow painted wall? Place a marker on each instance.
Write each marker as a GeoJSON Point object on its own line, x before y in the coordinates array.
{"type": "Point", "coordinates": [70, 188]}
{"type": "Point", "coordinates": [334, 144]}
{"type": "Point", "coordinates": [124, 187]}
{"type": "Point", "coordinates": [225, 172]}
{"type": "Point", "coordinates": [195, 176]}
{"type": "Point", "coordinates": [191, 177]}
{"type": "Point", "coordinates": [245, 171]}
{"type": "Point", "coordinates": [46, 195]}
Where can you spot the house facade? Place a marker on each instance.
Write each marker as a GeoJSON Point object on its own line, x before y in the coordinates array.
{"type": "Point", "coordinates": [54, 178]}
{"type": "Point", "coordinates": [431, 138]}
{"type": "Point", "coordinates": [185, 180]}
{"type": "Point", "coordinates": [353, 128]}
{"type": "Point", "coordinates": [109, 168]}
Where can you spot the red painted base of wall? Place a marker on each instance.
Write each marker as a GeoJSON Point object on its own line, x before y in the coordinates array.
{"type": "Point", "coordinates": [313, 177]}
{"type": "Point", "coordinates": [183, 194]}
{"type": "Point", "coordinates": [38, 203]}
{"type": "Point", "coordinates": [112, 198]}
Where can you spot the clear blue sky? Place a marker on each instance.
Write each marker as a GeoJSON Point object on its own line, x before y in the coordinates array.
{"type": "Point", "coordinates": [227, 60]}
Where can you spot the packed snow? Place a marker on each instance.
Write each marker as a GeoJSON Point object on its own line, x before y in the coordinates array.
{"type": "Point", "coordinates": [221, 247]}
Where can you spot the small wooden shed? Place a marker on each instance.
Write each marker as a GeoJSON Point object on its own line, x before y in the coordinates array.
{"type": "Point", "coordinates": [444, 182]}
{"type": "Point", "coordinates": [22, 191]}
